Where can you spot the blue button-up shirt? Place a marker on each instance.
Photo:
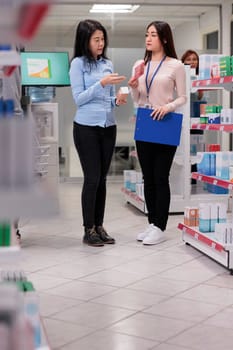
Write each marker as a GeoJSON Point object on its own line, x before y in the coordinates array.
{"type": "Point", "coordinates": [95, 103]}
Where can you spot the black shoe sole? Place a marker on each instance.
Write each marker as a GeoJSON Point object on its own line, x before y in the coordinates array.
{"type": "Point", "coordinates": [110, 242]}
{"type": "Point", "coordinates": [94, 244]}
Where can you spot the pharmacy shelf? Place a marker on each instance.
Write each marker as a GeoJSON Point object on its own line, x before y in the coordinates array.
{"type": "Point", "coordinates": [176, 206]}
{"type": "Point", "coordinates": [216, 127]}
{"type": "Point", "coordinates": [21, 19]}
{"type": "Point", "coordinates": [216, 83]}
{"type": "Point", "coordinates": [9, 58]}
{"type": "Point", "coordinates": [213, 180]}
{"type": "Point", "coordinates": [206, 243]}
{"type": "Point", "coordinates": [134, 199]}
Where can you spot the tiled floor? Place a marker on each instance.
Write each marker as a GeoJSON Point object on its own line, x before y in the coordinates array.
{"type": "Point", "coordinates": [127, 296]}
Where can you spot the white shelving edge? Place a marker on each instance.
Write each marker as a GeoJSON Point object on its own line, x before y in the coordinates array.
{"type": "Point", "coordinates": [206, 243]}
{"type": "Point", "coordinates": [132, 198]}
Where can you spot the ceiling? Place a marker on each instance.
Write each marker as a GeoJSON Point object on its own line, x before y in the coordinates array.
{"type": "Point", "coordinates": [60, 24]}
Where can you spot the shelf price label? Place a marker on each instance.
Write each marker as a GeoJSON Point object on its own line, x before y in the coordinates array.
{"type": "Point", "coordinates": [215, 182]}
{"type": "Point", "coordinates": [213, 245]}
{"type": "Point", "coordinates": [221, 80]}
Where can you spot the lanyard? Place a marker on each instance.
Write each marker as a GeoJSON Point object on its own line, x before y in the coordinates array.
{"type": "Point", "coordinates": [148, 86]}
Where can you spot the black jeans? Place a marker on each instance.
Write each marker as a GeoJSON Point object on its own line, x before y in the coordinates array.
{"type": "Point", "coordinates": [156, 160]}
{"type": "Point", "coordinates": [95, 146]}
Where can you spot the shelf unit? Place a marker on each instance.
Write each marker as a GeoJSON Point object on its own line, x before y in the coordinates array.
{"type": "Point", "coordinates": [19, 21]}
{"type": "Point", "coordinates": [204, 242]}
{"type": "Point", "coordinates": [214, 83]}
{"type": "Point", "coordinates": [208, 245]}
{"type": "Point", "coordinates": [135, 200]}
{"type": "Point", "coordinates": [180, 175]}
{"type": "Point", "coordinates": [214, 127]}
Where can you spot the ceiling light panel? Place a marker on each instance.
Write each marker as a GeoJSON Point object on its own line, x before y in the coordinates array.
{"type": "Point", "coordinates": [113, 8]}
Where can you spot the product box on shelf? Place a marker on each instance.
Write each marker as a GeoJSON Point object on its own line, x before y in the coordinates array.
{"type": "Point", "coordinates": [210, 214]}
{"type": "Point", "coordinates": [206, 163]}
{"type": "Point", "coordinates": [225, 64]}
{"type": "Point", "coordinates": [224, 233]}
{"type": "Point", "coordinates": [206, 61]}
{"type": "Point", "coordinates": [191, 216]}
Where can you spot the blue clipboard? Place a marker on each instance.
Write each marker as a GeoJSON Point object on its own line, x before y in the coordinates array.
{"type": "Point", "coordinates": [165, 131]}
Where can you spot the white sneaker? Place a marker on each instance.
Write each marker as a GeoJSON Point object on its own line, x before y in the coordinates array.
{"type": "Point", "coordinates": [155, 236]}
{"type": "Point", "coordinates": [142, 235]}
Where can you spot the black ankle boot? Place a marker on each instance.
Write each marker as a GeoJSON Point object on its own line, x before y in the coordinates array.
{"type": "Point", "coordinates": [104, 235]}
{"type": "Point", "coordinates": [92, 238]}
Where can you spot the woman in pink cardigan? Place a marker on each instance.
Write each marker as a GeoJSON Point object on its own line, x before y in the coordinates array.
{"type": "Point", "coordinates": [161, 87]}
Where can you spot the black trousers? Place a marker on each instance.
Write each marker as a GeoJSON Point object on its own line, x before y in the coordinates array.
{"type": "Point", "coordinates": [95, 146]}
{"type": "Point", "coordinates": [156, 161]}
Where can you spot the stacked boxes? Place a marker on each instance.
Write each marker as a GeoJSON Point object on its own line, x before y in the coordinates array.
{"type": "Point", "coordinates": [227, 116]}
{"type": "Point", "coordinates": [224, 233]}
{"type": "Point", "coordinates": [210, 214]}
{"type": "Point", "coordinates": [191, 216]}
{"type": "Point", "coordinates": [225, 65]}
{"type": "Point", "coordinates": [208, 66]}
{"type": "Point", "coordinates": [206, 163]}
{"type": "Point", "coordinates": [197, 144]}
{"type": "Point", "coordinates": [133, 182]}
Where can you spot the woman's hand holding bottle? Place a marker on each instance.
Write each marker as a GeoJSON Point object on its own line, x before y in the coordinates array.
{"type": "Point", "coordinates": [112, 79]}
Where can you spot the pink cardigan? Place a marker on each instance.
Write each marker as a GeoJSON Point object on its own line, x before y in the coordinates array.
{"type": "Point", "coordinates": [168, 87]}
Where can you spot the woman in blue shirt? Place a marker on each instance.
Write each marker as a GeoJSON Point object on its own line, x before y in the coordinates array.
{"type": "Point", "coordinates": [94, 131]}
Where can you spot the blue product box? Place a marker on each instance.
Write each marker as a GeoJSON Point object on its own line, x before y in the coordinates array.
{"type": "Point", "coordinates": [204, 225]}
{"type": "Point", "coordinates": [214, 119]}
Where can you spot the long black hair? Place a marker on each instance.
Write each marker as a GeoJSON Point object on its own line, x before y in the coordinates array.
{"type": "Point", "coordinates": [165, 36]}
{"type": "Point", "coordinates": [84, 31]}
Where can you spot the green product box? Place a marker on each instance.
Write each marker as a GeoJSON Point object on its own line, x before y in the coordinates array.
{"type": "Point", "coordinates": [203, 120]}
{"type": "Point", "coordinates": [231, 65]}
{"type": "Point", "coordinates": [1, 235]}
{"type": "Point", "coordinates": [7, 234]}
{"type": "Point", "coordinates": [28, 286]}
{"type": "Point", "coordinates": [210, 109]}
{"type": "Point", "coordinates": [225, 64]}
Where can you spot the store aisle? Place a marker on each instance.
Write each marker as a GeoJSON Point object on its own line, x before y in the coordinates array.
{"type": "Point", "coordinates": [126, 296]}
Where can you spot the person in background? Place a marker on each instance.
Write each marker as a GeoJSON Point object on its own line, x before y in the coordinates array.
{"type": "Point", "coordinates": [163, 76]}
{"type": "Point", "coordinates": [191, 58]}
{"type": "Point", "coordinates": [94, 130]}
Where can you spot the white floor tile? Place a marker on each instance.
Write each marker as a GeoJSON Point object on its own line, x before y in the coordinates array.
{"type": "Point", "coordinates": [124, 296]}
{"type": "Point", "coordinates": [184, 309]}
{"type": "Point", "coordinates": [151, 326]}
{"type": "Point", "coordinates": [91, 315]}
{"type": "Point", "coordinates": [204, 337]}
{"type": "Point", "coordinates": [111, 341]}
{"type": "Point", "coordinates": [61, 333]}
{"type": "Point", "coordinates": [130, 299]}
